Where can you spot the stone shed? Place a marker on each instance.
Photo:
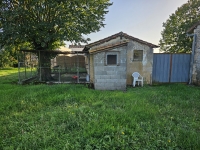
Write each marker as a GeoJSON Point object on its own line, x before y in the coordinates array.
{"type": "Point", "coordinates": [112, 60]}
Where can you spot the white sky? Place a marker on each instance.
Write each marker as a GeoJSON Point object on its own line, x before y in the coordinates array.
{"type": "Point", "coordinates": [142, 19]}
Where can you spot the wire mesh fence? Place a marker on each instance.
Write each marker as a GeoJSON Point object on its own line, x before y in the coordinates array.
{"type": "Point", "coordinates": [69, 74]}
{"type": "Point", "coordinates": [26, 72]}
{"type": "Point", "coordinates": [58, 74]}
{"type": "Point", "coordinates": [63, 68]}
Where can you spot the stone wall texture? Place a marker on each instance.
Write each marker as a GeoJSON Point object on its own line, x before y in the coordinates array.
{"type": "Point", "coordinates": [144, 67]}
{"type": "Point", "coordinates": [196, 64]}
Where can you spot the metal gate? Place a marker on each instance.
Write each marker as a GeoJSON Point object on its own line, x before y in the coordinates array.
{"type": "Point", "coordinates": [171, 68]}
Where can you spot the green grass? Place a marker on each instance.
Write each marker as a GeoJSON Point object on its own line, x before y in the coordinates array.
{"type": "Point", "coordinates": [67, 116]}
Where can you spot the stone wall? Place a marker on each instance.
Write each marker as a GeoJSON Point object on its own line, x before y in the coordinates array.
{"type": "Point", "coordinates": [144, 67]}
{"type": "Point", "coordinates": [196, 64]}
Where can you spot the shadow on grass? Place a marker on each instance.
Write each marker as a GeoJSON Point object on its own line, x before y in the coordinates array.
{"type": "Point", "coordinates": [9, 76]}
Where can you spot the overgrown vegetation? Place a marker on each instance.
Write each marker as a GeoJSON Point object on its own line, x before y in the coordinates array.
{"type": "Point", "coordinates": [67, 116]}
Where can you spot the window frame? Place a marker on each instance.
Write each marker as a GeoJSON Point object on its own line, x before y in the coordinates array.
{"type": "Point", "coordinates": [141, 53]}
{"type": "Point", "coordinates": [116, 53]}
{"type": "Point", "coordinates": [114, 58]}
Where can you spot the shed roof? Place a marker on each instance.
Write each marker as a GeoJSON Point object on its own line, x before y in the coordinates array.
{"type": "Point", "coordinates": [120, 34]}
{"type": "Point", "coordinates": [190, 30]}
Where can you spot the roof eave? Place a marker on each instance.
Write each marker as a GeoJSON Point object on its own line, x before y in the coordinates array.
{"type": "Point", "coordinates": [104, 48]}
{"type": "Point", "coordinates": [155, 46]}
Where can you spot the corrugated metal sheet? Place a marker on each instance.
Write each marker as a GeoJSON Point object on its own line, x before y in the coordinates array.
{"type": "Point", "coordinates": [161, 67]}
{"type": "Point", "coordinates": [180, 68]}
{"type": "Point", "coordinates": [171, 68]}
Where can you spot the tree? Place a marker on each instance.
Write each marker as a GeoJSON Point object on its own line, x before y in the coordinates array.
{"type": "Point", "coordinates": [174, 39]}
{"type": "Point", "coordinates": [6, 58]}
{"type": "Point", "coordinates": [9, 54]}
{"type": "Point", "coordinates": [45, 24]}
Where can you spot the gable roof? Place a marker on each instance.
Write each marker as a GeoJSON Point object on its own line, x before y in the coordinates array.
{"type": "Point", "coordinates": [120, 34]}
{"type": "Point", "coordinates": [190, 30]}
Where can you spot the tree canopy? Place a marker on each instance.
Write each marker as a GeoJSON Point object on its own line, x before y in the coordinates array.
{"type": "Point", "coordinates": [173, 37]}
{"type": "Point", "coordinates": [9, 54]}
{"type": "Point", "coordinates": [7, 57]}
{"type": "Point", "coordinates": [45, 24]}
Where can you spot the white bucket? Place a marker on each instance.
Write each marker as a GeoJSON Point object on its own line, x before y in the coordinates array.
{"type": "Point", "coordinates": [87, 77]}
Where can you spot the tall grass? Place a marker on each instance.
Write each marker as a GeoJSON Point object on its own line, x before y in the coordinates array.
{"type": "Point", "coordinates": [67, 116]}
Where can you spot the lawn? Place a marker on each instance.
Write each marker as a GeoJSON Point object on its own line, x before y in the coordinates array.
{"type": "Point", "coordinates": [72, 116]}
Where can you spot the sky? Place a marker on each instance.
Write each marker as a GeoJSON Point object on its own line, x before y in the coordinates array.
{"type": "Point", "coordinates": [141, 19]}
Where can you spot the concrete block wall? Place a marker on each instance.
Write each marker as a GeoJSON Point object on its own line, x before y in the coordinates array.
{"type": "Point", "coordinates": [110, 77]}
{"type": "Point", "coordinates": [117, 77]}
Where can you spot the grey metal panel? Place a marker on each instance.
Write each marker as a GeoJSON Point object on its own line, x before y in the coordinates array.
{"type": "Point", "coordinates": [180, 68]}
{"type": "Point", "coordinates": [161, 68]}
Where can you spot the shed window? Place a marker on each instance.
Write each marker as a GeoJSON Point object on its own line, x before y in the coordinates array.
{"type": "Point", "coordinates": [138, 55]}
{"type": "Point", "coordinates": [111, 59]}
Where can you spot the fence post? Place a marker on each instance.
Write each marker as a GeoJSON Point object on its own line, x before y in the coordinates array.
{"type": "Point", "coordinates": [31, 64]}
{"type": "Point", "coordinates": [19, 71]}
{"type": "Point", "coordinates": [25, 63]}
{"type": "Point", "coordinates": [77, 67]}
{"type": "Point", "coordinates": [59, 73]}
{"type": "Point", "coordinates": [40, 67]}
{"type": "Point", "coordinates": [170, 68]}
